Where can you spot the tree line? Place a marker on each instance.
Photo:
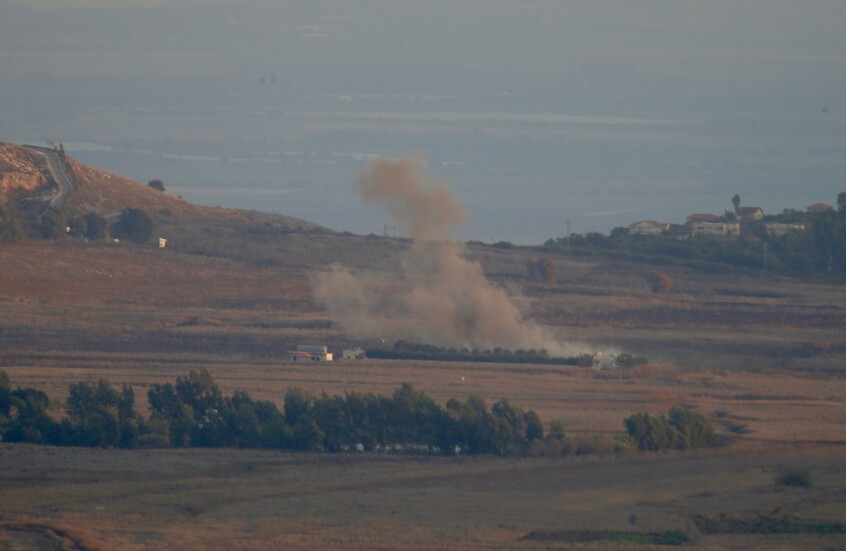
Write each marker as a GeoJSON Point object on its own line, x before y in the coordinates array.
{"type": "Point", "coordinates": [403, 350]}
{"type": "Point", "coordinates": [194, 412]}
{"type": "Point", "coordinates": [132, 224]}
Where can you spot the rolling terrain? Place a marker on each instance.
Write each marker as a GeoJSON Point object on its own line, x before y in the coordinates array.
{"type": "Point", "coordinates": [763, 357]}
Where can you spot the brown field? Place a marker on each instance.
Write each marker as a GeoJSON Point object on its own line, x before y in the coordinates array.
{"type": "Point", "coordinates": [763, 358]}
{"type": "Point", "coordinates": [229, 499]}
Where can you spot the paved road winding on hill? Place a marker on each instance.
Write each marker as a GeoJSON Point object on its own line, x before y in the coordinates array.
{"type": "Point", "coordinates": [57, 171]}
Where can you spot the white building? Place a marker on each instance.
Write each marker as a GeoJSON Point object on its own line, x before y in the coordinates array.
{"type": "Point", "coordinates": [648, 227]}
{"type": "Point", "coordinates": [777, 228]}
{"type": "Point", "coordinates": [310, 352]}
{"type": "Point", "coordinates": [721, 229]}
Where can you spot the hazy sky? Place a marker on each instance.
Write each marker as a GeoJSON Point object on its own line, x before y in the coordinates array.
{"type": "Point", "coordinates": [642, 107]}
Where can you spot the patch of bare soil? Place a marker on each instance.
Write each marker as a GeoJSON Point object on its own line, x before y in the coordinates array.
{"type": "Point", "coordinates": [22, 535]}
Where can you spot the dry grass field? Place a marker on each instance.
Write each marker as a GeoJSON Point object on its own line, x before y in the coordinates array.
{"type": "Point", "coordinates": [228, 499]}
{"type": "Point", "coordinates": [772, 385]}
{"type": "Point", "coordinates": [764, 358]}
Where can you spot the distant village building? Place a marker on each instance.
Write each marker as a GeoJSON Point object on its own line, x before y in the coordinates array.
{"type": "Point", "coordinates": [699, 217]}
{"type": "Point", "coordinates": [719, 229]}
{"type": "Point", "coordinates": [778, 228]}
{"type": "Point", "coordinates": [162, 242]}
{"type": "Point", "coordinates": [749, 213]}
{"type": "Point", "coordinates": [818, 207]}
{"type": "Point", "coordinates": [310, 353]}
{"type": "Point", "coordinates": [648, 227]}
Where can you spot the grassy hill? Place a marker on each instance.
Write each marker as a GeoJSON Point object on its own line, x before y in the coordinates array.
{"type": "Point", "coordinates": [26, 188]}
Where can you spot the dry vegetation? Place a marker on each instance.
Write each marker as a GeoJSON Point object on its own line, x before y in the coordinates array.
{"type": "Point", "coordinates": [227, 499]}
{"type": "Point", "coordinates": [763, 358]}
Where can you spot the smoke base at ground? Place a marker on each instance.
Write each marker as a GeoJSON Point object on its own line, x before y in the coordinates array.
{"type": "Point", "coordinates": [442, 298]}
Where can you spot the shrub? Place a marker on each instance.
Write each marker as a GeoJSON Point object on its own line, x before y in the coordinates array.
{"type": "Point", "coordinates": [91, 226]}
{"type": "Point", "coordinates": [798, 478]}
{"type": "Point", "coordinates": [659, 282]}
{"type": "Point", "coordinates": [134, 225]}
{"type": "Point", "coordinates": [53, 223]}
{"type": "Point", "coordinates": [156, 184]}
{"type": "Point", "coordinates": [628, 360]}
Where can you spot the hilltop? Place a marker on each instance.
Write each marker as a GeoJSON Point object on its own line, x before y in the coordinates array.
{"type": "Point", "coordinates": [27, 186]}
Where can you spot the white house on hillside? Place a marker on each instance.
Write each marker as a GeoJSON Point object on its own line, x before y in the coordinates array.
{"type": "Point", "coordinates": [720, 229]}
{"type": "Point", "coordinates": [648, 227]}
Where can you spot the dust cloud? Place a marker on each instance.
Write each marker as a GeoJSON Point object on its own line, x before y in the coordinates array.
{"type": "Point", "coordinates": [442, 298]}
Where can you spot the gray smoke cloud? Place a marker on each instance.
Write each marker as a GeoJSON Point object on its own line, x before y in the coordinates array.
{"type": "Point", "coordinates": [443, 298]}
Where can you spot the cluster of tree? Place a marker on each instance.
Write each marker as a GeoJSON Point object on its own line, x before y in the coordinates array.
{"type": "Point", "coordinates": [681, 429]}
{"type": "Point", "coordinates": [403, 350]}
{"type": "Point", "coordinates": [194, 412]}
{"type": "Point", "coordinates": [133, 225]}
{"type": "Point", "coordinates": [97, 415]}
{"type": "Point", "coordinates": [91, 226]}
{"type": "Point", "coordinates": [53, 223]}
{"type": "Point", "coordinates": [818, 250]}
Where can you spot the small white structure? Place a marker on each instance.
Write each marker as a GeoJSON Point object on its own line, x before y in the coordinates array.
{"type": "Point", "coordinates": [722, 229]}
{"type": "Point", "coordinates": [162, 242]}
{"type": "Point", "coordinates": [648, 227]}
{"type": "Point", "coordinates": [311, 353]}
{"type": "Point", "coordinates": [778, 228]}
{"type": "Point", "coordinates": [352, 353]}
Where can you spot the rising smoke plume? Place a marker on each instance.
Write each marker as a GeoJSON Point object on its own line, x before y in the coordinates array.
{"type": "Point", "coordinates": [443, 299]}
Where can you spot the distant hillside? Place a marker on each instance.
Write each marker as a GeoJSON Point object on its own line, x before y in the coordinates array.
{"type": "Point", "coordinates": [106, 193]}
{"type": "Point", "coordinates": [26, 188]}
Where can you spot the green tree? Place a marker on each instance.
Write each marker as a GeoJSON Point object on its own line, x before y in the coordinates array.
{"type": "Point", "coordinates": [133, 224]}
{"type": "Point", "coordinates": [91, 226]}
{"type": "Point", "coordinates": [297, 405]}
{"type": "Point", "coordinates": [53, 223]}
{"type": "Point", "coordinates": [100, 415]}
{"type": "Point", "coordinates": [736, 202]}
{"type": "Point", "coordinates": [651, 433]}
{"type": "Point", "coordinates": [29, 420]}
{"type": "Point", "coordinates": [199, 390]}
{"type": "Point", "coordinates": [684, 429]}
{"type": "Point", "coordinates": [695, 431]}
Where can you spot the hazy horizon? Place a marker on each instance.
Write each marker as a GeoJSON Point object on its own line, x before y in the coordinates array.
{"type": "Point", "coordinates": [598, 112]}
